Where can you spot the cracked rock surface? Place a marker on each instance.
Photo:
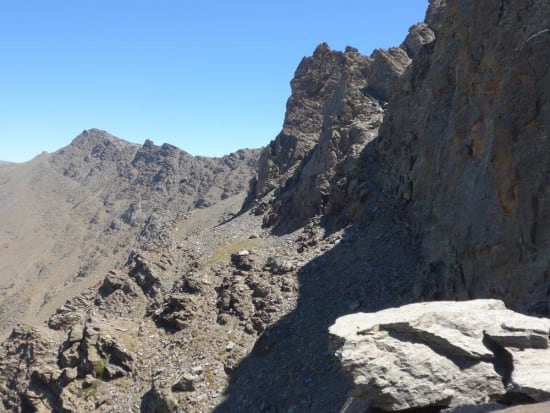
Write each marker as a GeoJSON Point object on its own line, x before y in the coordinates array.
{"type": "Point", "coordinates": [444, 354]}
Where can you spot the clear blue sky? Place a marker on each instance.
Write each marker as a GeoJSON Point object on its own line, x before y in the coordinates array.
{"type": "Point", "coordinates": [207, 76]}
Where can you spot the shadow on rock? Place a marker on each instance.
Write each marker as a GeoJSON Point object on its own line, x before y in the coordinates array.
{"type": "Point", "coordinates": [291, 368]}
{"type": "Point", "coordinates": [157, 401]}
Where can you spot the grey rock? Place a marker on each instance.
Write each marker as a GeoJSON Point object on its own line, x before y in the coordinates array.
{"type": "Point", "coordinates": [437, 354]}
{"type": "Point", "coordinates": [242, 261]}
{"type": "Point", "coordinates": [62, 320]}
{"type": "Point", "coordinates": [387, 66]}
{"type": "Point", "coordinates": [145, 275]}
{"type": "Point", "coordinates": [159, 400]}
{"type": "Point", "coordinates": [278, 265]}
{"type": "Point", "coordinates": [112, 372]}
{"type": "Point", "coordinates": [528, 408]}
{"type": "Point", "coordinates": [333, 112]}
{"type": "Point", "coordinates": [464, 146]}
{"type": "Point", "coordinates": [70, 374]}
{"type": "Point", "coordinates": [186, 382]}
{"type": "Point", "coordinates": [419, 35]}
{"type": "Point", "coordinates": [192, 286]}
{"type": "Point", "coordinates": [176, 311]}
{"type": "Point", "coordinates": [478, 408]}
{"type": "Point", "coordinates": [70, 357]}
{"type": "Point", "coordinates": [115, 281]}
{"type": "Point", "coordinates": [88, 382]}
{"type": "Point", "coordinates": [531, 374]}
{"type": "Point", "coordinates": [76, 334]}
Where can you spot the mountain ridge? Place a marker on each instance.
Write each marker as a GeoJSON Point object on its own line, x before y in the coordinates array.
{"type": "Point", "coordinates": [417, 173]}
{"type": "Point", "coordinates": [103, 205]}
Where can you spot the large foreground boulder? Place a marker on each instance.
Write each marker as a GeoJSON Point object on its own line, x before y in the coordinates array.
{"type": "Point", "coordinates": [444, 354]}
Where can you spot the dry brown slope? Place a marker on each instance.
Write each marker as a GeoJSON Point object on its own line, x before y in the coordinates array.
{"type": "Point", "coordinates": [43, 237]}
{"type": "Point", "coordinates": [68, 217]}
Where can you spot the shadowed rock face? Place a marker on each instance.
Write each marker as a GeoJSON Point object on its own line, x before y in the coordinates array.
{"type": "Point", "coordinates": [465, 147]}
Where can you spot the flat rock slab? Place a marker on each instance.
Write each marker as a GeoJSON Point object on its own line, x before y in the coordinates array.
{"type": "Point", "coordinates": [528, 408]}
{"type": "Point", "coordinates": [444, 354]}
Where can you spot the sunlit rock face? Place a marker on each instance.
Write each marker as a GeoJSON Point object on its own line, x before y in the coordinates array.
{"type": "Point", "coordinates": [444, 354]}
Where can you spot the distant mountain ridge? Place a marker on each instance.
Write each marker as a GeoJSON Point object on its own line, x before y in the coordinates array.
{"type": "Point", "coordinates": [93, 201]}
{"type": "Point", "coordinates": [148, 177]}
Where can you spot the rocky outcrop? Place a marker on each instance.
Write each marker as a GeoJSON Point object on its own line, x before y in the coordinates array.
{"type": "Point", "coordinates": [464, 146]}
{"type": "Point", "coordinates": [93, 352]}
{"type": "Point", "coordinates": [251, 293]}
{"type": "Point", "coordinates": [315, 81]}
{"type": "Point", "coordinates": [444, 354]}
{"type": "Point", "coordinates": [22, 353]}
{"type": "Point", "coordinates": [335, 109]}
{"type": "Point", "coordinates": [72, 312]}
{"type": "Point", "coordinates": [419, 35]}
{"type": "Point", "coordinates": [387, 66]}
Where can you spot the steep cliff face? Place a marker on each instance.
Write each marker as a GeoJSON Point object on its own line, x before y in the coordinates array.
{"type": "Point", "coordinates": [336, 106]}
{"type": "Point", "coordinates": [315, 81]}
{"type": "Point", "coordinates": [465, 146]}
{"type": "Point", "coordinates": [349, 119]}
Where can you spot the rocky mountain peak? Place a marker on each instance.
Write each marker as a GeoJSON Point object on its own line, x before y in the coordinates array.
{"type": "Point", "coordinates": [94, 148]}
{"type": "Point", "coordinates": [321, 50]}
{"type": "Point", "coordinates": [317, 79]}
{"type": "Point", "coordinates": [148, 144]}
{"type": "Point", "coordinates": [336, 105]}
{"type": "Point", "coordinates": [91, 137]}
{"type": "Point", "coordinates": [109, 195]}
